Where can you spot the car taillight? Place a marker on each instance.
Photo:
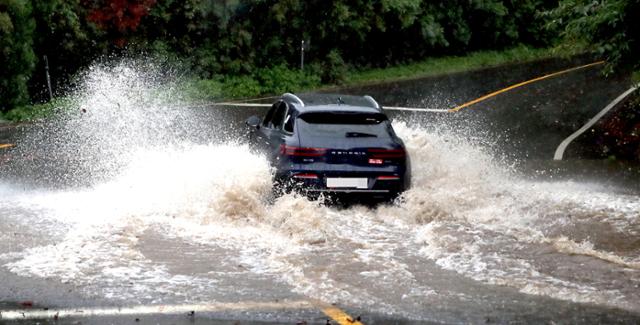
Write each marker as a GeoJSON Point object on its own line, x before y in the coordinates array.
{"type": "Point", "coordinates": [388, 178]}
{"type": "Point", "coordinates": [305, 176]}
{"type": "Point", "coordinates": [386, 153]}
{"type": "Point", "coordinates": [301, 151]}
{"type": "Point", "coordinates": [376, 161]}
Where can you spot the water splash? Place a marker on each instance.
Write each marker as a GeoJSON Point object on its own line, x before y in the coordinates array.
{"type": "Point", "coordinates": [158, 174]}
{"type": "Point", "coordinates": [114, 111]}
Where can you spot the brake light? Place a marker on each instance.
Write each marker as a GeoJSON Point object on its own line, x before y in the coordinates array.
{"type": "Point", "coordinates": [386, 153]}
{"type": "Point", "coordinates": [301, 151]}
{"type": "Point", "coordinates": [305, 176]}
{"type": "Point", "coordinates": [376, 161]}
{"type": "Point", "coordinates": [388, 178]}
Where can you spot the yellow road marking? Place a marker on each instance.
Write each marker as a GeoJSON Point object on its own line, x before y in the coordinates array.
{"type": "Point", "coordinates": [6, 145]}
{"type": "Point", "coordinates": [457, 108]}
{"type": "Point", "coordinates": [340, 316]}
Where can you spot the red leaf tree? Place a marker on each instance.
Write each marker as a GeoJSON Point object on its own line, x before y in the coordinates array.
{"type": "Point", "coordinates": [118, 17]}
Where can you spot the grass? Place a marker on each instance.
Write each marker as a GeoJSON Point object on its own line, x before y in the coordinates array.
{"type": "Point", "coordinates": [279, 79]}
{"type": "Point", "coordinates": [37, 111]}
{"type": "Point", "coordinates": [450, 64]}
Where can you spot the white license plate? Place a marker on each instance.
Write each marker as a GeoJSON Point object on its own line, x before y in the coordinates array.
{"type": "Point", "coordinates": [344, 182]}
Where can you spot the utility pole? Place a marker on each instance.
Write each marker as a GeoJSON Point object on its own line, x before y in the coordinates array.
{"type": "Point", "coordinates": [302, 55]}
{"type": "Point", "coordinates": [46, 70]}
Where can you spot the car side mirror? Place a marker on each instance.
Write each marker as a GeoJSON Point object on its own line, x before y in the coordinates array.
{"type": "Point", "coordinates": [253, 121]}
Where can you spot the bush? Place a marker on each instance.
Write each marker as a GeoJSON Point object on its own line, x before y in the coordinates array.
{"type": "Point", "coordinates": [200, 89]}
{"type": "Point", "coordinates": [334, 68]}
{"type": "Point", "coordinates": [269, 81]}
{"type": "Point", "coordinates": [280, 79]}
{"type": "Point", "coordinates": [610, 29]}
{"type": "Point", "coordinates": [39, 111]}
{"type": "Point", "coordinates": [240, 86]}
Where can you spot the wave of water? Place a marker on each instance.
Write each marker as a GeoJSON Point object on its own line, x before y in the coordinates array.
{"type": "Point", "coordinates": [466, 212]}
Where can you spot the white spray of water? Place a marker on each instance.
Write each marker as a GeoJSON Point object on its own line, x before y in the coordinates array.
{"type": "Point", "coordinates": [481, 221]}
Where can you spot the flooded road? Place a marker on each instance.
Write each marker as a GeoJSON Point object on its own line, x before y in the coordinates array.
{"type": "Point", "coordinates": [136, 203]}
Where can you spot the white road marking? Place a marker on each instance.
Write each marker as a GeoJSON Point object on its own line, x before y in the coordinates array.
{"type": "Point", "coordinates": [415, 109]}
{"type": "Point", "coordinates": [243, 104]}
{"type": "Point", "coordinates": [152, 310]}
{"type": "Point", "coordinates": [563, 145]}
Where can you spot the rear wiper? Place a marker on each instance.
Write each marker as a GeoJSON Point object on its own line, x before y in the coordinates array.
{"type": "Point", "coordinates": [360, 135]}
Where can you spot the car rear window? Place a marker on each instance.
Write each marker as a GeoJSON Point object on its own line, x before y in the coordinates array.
{"type": "Point", "coordinates": [344, 118]}
{"type": "Point", "coordinates": [345, 125]}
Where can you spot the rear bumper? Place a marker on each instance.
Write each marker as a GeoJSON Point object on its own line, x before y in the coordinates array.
{"type": "Point", "coordinates": [382, 181]}
{"type": "Point", "coordinates": [375, 185]}
{"type": "Point", "coordinates": [343, 190]}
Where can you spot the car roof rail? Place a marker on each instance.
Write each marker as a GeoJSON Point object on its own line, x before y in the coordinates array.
{"type": "Point", "coordinates": [293, 97]}
{"type": "Point", "coordinates": [372, 101]}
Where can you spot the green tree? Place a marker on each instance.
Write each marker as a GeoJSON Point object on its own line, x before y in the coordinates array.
{"type": "Point", "coordinates": [384, 32]}
{"type": "Point", "coordinates": [190, 29]}
{"type": "Point", "coordinates": [245, 37]}
{"type": "Point", "coordinates": [609, 28]}
{"type": "Point", "coordinates": [17, 60]}
{"type": "Point", "coordinates": [65, 36]}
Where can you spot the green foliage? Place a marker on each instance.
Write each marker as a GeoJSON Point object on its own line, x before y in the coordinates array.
{"type": "Point", "coordinates": [450, 64]}
{"type": "Point", "coordinates": [39, 111]}
{"type": "Point", "coordinates": [279, 79]}
{"type": "Point", "coordinates": [70, 43]}
{"type": "Point", "coordinates": [609, 28]}
{"type": "Point", "coordinates": [200, 89]}
{"type": "Point", "coordinates": [386, 32]}
{"type": "Point", "coordinates": [253, 41]}
{"type": "Point", "coordinates": [17, 59]}
{"type": "Point", "coordinates": [334, 68]}
{"type": "Point", "coordinates": [191, 29]}
{"type": "Point", "coordinates": [241, 87]}
{"type": "Point", "coordinates": [269, 81]}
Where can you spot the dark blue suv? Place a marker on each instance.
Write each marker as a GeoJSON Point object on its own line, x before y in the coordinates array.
{"type": "Point", "coordinates": [323, 143]}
